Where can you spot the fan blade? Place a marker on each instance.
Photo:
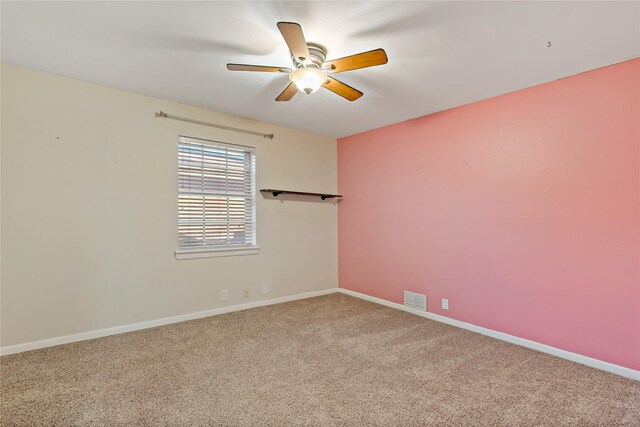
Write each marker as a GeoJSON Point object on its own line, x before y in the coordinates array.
{"type": "Point", "coordinates": [287, 93]}
{"type": "Point", "coordinates": [263, 68]}
{"type": "Point", "coordinates": [354, 62]}
{"type": "Point", "coordinates": [344, 90]}
{"type": "Point", "coordinates": [292, 34]}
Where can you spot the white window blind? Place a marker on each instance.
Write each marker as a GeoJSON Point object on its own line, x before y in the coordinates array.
{"type": "Point", "coordinates": [216, 195]}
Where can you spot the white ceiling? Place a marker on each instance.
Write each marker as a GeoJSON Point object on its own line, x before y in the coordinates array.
{"type": "Point", "coordinates": [441, 54]}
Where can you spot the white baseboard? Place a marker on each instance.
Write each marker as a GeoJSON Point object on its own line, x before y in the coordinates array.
{"type": "Point", "coordinates": [82, 336]}
{"type": "Point", "coordinates": [574, 357]}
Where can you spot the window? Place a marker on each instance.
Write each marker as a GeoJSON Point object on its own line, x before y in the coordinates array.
{"type": "Point", "coordinates": [216, 199]}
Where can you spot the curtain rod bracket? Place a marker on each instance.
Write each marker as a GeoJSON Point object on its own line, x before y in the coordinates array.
{"type": "Point", "coordinates": [198, 122]}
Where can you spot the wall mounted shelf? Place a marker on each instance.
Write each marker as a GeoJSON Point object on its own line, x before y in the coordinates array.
{"type": "Point", "coordinates": [323, 196]}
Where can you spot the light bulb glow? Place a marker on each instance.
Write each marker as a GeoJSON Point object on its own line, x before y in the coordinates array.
{"type": "Point", "coordinates": [308, 80]}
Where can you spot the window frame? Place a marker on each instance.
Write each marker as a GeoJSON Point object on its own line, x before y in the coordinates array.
{"type": "Point", "coordinates": [217, 251]}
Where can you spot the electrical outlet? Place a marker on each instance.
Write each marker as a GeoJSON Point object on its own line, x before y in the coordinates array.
{"type": "Point", "coordinates": [245, 292]}
{"type": "Point", "coordinates": [265, 288]}
{"type": "Point", "coordinates": [445, 304]}
{"type": "Point", "coordinates": [224, 295]}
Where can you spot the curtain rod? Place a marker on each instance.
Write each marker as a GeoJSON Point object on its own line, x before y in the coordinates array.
{"type": "Point", "coordinates": [198, 122]}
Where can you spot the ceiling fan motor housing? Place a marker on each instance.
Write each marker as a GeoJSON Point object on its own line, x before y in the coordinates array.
{"type": "Point", "coordinates": [317, 53]}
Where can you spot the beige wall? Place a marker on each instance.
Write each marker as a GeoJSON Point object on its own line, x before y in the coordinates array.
{"type": "Point", "coordinates": [89, 210]}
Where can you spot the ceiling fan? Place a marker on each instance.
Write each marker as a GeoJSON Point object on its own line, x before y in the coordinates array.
{"type": "Point", "coordinates": [312, 69]}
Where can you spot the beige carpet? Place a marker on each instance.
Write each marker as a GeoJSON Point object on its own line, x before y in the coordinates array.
{"type": "Point", "coordinates": [325, 361]}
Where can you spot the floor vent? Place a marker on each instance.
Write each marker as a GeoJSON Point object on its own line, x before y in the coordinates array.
{"type": "Point", "coordinates": [417, 301]}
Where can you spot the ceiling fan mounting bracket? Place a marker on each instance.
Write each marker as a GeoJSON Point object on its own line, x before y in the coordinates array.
{"type": "Point", "coordinates": [317, 53]}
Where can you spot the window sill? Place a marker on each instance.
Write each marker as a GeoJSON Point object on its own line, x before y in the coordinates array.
{"type": "Point", "coordinates": [215, 252]}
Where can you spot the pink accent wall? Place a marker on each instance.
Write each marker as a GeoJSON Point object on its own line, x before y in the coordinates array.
{"type": "Point", "coordinates": [523, 210]}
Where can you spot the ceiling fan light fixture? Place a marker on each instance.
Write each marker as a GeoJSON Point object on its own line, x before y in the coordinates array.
{"type": "Point", "coordinates": [308, 80]}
